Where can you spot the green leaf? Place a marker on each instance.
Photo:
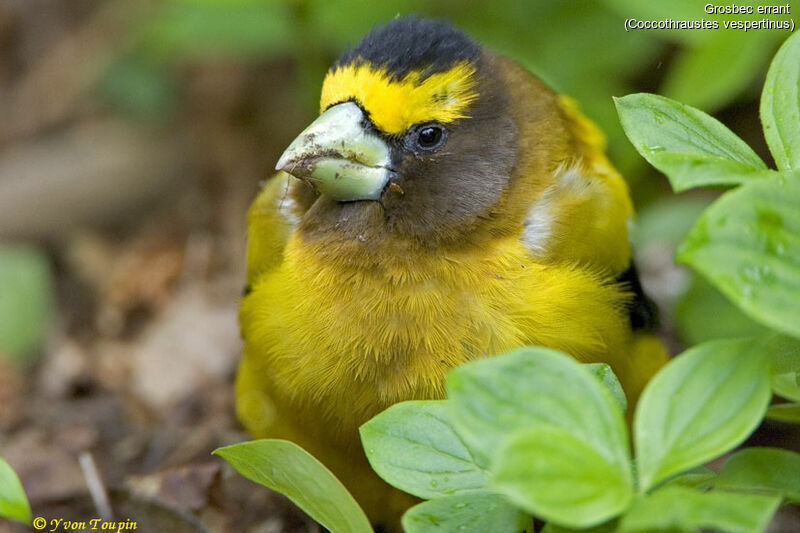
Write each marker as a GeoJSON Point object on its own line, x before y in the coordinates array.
{"type": "Point", "coordinates": [26, 300]}
{"type": "Point", "coordinates": [413, 446]}
{"type": "Point", "coordinates": [682, 509]}
{"type": "Point", "coordinates": [700, 478]}
{"type": "Point", "coordinates": [287, 468]}
{"type": "Point", "coordinates": [785, 352]}
{"type": "Point", "coordinates": [608, 527]}
{"type": "Point", "coordinates": [780, 105]}
{"type": "Point", "coordinates": [690, 147]}
{"type": "Point", "coordinates": [700, 405]}
{"type": "Point", "coordinates": [703, 314]}
{"type": "Point", "coordinates": [786, 385]}
{"type": "Point", "coordinates": [468, 511]}
{"type": "Point", "coordinates": [554, 475]}
{"type": "Point", "coordinates": [607, 377]}
{"type": "Point", "coordinates": [763, 469]}
{"type": "Point", "coordinates": [13, 502]}
{"type": "Point", "coordinates": [785, 412]}
{"type": "Point", "coordinates": [686, 171]}
{"type": "Point", "coordinates": [748, 245]}
{"type": "Point", "coordinates": [529, 387]}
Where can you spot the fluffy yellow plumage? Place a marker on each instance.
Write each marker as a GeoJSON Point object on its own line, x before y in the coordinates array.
{"type": "Point", "coordinates": [467, 252]}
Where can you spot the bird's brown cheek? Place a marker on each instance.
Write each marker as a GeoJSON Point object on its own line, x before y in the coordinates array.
{"type": "Point", "coordinates": [401, 198]}
{"type": "Point", "coordinates": [394, 197]}
{"type": "Point", "coordinates": [401, 182]}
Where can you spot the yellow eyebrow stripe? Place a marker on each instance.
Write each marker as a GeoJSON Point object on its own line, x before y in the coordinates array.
{"type": "Point", "coordinates": [394, 105]}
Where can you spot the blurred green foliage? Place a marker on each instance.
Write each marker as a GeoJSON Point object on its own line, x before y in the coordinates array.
{"type": "Point", "coordinates": [202, 30]}
{"type": "Point", "coordinates": [580, 47]}
{"type": "Point", "coordinates": [26, 301]}
{"type": "Point", "coordinates": [703, 313]}
{"type": "Point", "coordinates": [667, 222]}
{"type": "Point", "coordinates": [140, 89]}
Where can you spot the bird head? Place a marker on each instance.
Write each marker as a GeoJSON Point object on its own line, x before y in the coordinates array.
{"type": "Point", "coordinates": [422, 134]}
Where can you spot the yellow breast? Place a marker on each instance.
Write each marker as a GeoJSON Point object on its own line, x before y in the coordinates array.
{"type": "Point", "coordinates": [331, 344]}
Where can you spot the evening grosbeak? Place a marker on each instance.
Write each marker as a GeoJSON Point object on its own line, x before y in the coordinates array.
{"type": "Point", "coordinates": [445, 206]}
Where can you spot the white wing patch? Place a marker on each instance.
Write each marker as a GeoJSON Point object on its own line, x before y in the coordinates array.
{"type": "Point", "coordinates": [538, 226]}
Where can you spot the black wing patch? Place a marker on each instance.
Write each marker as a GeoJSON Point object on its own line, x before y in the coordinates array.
{"type": "Point", "coordinates": [642, 311]}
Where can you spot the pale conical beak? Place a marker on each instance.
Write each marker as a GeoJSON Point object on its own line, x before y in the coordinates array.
{"type": "Point", "coordinates": [338, 157]}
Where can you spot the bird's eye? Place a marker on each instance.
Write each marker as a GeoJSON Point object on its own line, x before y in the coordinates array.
{"type": "Point", "coordinates": [430, 137]}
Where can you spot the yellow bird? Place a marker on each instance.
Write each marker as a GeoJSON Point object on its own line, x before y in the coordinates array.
{"type": "Point", "coordinates": [445, 206]}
